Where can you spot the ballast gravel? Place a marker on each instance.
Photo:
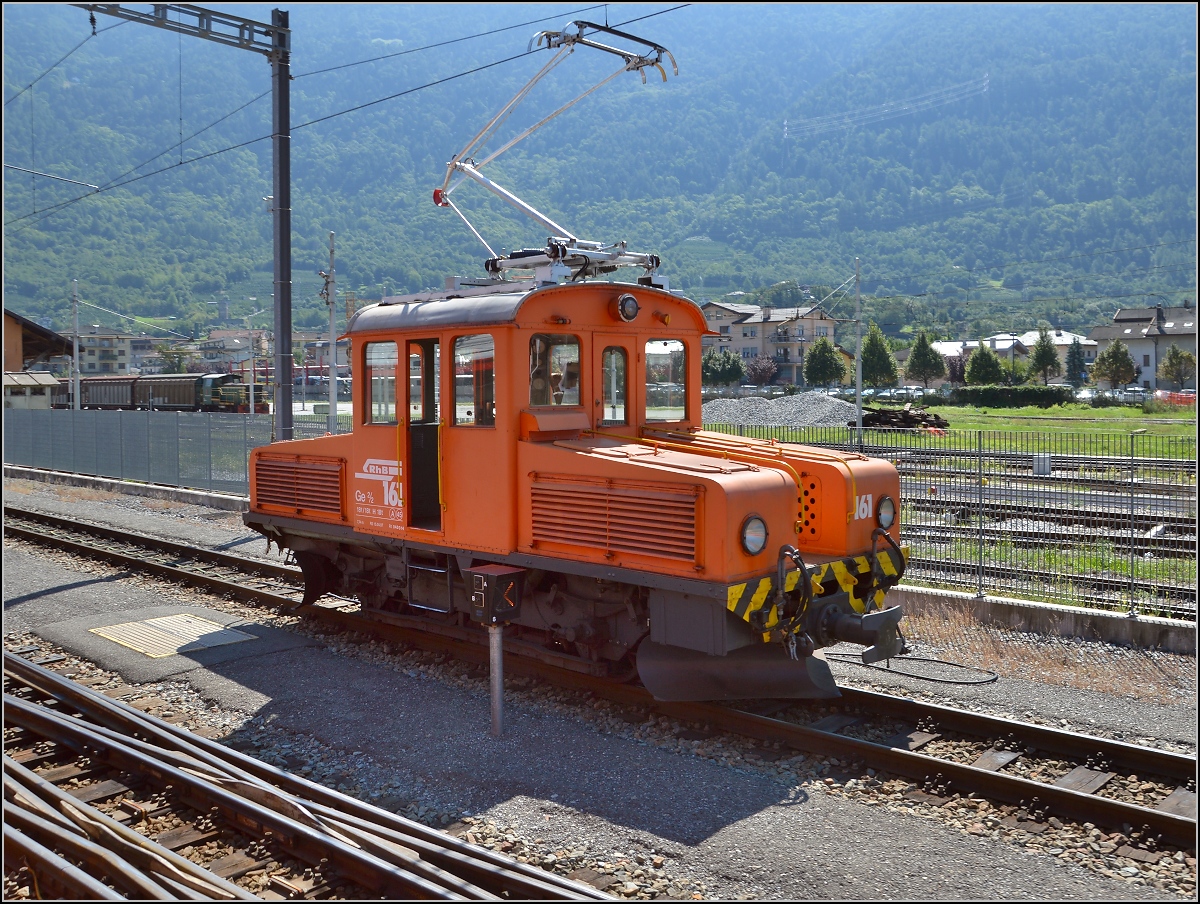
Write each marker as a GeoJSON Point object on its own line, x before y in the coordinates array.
{"type": "Point", "coordinates": [640, 805]}
{"type": "Point", "coordinates": [802, 409]}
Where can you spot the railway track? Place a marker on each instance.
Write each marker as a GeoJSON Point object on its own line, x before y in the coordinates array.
{"type": "Point", "coordinates": [936, 529]}
{"type": "Point", "coordinates": [1099, 590]}
{"type": "Point", "coordinates": [151, 811]}
{"type": "Point", "coordinates": [260, 581]}
{"type": "Point", "coordinates": [1028, 773]}
{"type": "Point", "coordinates": [1068, 510]}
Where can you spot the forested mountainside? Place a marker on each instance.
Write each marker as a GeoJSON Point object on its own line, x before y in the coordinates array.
{"type": "Point", "coordinates": [990, 165]}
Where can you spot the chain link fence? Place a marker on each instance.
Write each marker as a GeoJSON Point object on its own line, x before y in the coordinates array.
{"type": "Point", "coordinates": [1103, 520]}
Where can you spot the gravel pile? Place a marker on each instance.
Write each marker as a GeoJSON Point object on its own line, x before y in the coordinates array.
{"type": "Point", "coordinates": [804, 409]}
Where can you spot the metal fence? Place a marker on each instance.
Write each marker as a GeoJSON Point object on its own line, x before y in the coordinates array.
{"type": "Point", "coordinates": [1105, 520]}
{"type": "Point", "coordinates": [197, 450]}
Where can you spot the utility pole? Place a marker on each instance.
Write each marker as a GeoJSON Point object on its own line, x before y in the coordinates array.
{"type": "Point", "coordinates": [273, 41]}
{"type": "Point", "coordinates": [329, 293]}
{"type": "Point", "coordinates": [75, 359]}
{"type": "Point", "coordinates": [857, 354]}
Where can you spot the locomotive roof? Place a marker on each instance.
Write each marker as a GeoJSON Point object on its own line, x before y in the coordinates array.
{"type": "Point", "coordinates": [408, 313]}
{"type": "Point", "coordinates": [476, 309]}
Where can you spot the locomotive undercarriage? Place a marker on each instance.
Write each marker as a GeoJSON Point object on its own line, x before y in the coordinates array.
{"type": "Point", "coordinates": [594, 622]}
{"type": "Point", "coordinates": [683, 646]}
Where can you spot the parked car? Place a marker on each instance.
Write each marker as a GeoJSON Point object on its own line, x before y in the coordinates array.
{"type": "Point", "coordinates": [1084, 394]}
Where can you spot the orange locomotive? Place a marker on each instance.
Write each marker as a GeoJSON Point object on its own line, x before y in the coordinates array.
{"type": "Point", "coordinates": [530, 454]}
{"type": "Point", "coordinates": [548, 438]}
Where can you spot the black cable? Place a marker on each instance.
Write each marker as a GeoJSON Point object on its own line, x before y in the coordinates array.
{"type": "Point", "coordinates": [59, 63]}
{"type": "Point", "coordinates": [108, 187]}
{"type": "Point", "coordinates": [853, 658]}
{"type": "Point", "coordinates": [482, 34]}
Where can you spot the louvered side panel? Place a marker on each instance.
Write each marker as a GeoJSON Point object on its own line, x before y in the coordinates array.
{"type": "Point", "coordinates": [311, 487]}
{"type": "Point", "coordinates": [612, 517]}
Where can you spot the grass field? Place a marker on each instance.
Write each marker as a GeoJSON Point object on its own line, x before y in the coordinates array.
{"type": "Point", "coordinates": [1074, 418]}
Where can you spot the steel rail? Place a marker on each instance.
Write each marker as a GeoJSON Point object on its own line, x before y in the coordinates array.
{"type": "Point", "coordinates": [158, 858]}
{"type": "Point", "coordinates": [1172, 596]}
{"type": "Point", "coordinates": [482, 867]}
{"type": "Point", "coordinates": [171, 570]}
{"type": "Point", "coordinates": [310, 843]}
{"type": "Point", "coordinates": [1162, 545]}
{"type": "Point", "coordinates": [120, 872]}
{"type": "Point", "coordinates": [53, 869]}
{"type": "Point", "coordinates": [1176, 766]}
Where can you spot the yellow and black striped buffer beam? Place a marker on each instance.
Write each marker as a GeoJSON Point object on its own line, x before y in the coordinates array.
{"type": "Point", "coordinates": [750, 596]}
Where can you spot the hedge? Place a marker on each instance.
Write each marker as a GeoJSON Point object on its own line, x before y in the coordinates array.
{"type": "Point", "coordinates": [1012, 396]}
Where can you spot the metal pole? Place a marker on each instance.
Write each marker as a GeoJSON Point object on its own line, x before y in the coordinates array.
{"type": "Point", "coordinates": [858, 358]}
{"type": "Point", "coordinates": [75, 360]}
{"type": "Point", "coordinates": [251, 369]}
{"type": "Point", "coordinates": [331, 300]}
{"type": "Point", "coordinates": [496, 661]}
{"type": "Point", "coordinates": [282, 186]}
{"type": "Point", "coordinates": [1132, 526]}
{"type": "Point", "coordinates": [979, 476]}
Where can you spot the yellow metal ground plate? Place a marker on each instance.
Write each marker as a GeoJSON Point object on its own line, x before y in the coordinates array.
{"type": "Point", "coordinates": [171, 634]}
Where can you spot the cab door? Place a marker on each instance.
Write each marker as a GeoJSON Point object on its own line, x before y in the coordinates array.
{"type": "Point", "coordinates": [614, 364]}
{"type": "Point", "coordinates": [423, 428]}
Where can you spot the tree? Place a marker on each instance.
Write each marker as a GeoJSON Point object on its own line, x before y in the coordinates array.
{"type": "Point", "coordinates": [720, 368]}
{"type": "Point", "coordinates": [924, 363]}
{"type": "Point", "coordinates": [983, 367]}
{"type": "Point", "coordinates": [1076, 365]}
{"type": "Point", "coordinates": [823, 366]}
{"type": "Point", "coordinates": [761, 370]}
{"type": "Point", "coordinates": [174, 359]}
{"type": "Point", "coordinates": [1115, 364]}
{"type": "Point", "coordinates": [956, 369]}
{"type": "Point", "coordinates": [878, 364]}
{"type": "Point", "coordinates": [1013, 372]}
{"type": "Point", "coordinates": [1177, 366]}
{"type": "Point", "coordinates": [1044, 357]}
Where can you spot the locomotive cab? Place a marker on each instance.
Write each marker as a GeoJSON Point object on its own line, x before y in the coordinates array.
{"type": "Point", "coordinates": [557, 430]}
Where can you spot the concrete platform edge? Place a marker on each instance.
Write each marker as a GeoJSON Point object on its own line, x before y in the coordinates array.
{"type": "Point", "coordinates": [1142, 632]}
{"type": "Point", "coordinates": [224, 501]}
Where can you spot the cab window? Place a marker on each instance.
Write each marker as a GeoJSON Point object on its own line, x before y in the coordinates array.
{"type": "Point", "coordinates": [614, 372]}
{"type": "Point", "coordinates": [474, 381]}
{"type": "Point", "coordinates": [381, 359]}
{"type": "Point", "coordinates": [553, 370]}
{"type": "Point", "coordinates": [424, 375]}
{"type": "Point", "coordinates": [666, 380]}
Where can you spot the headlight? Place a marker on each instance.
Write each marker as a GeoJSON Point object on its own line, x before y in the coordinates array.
{"type": "Point", "coordinates": [885, 514]}
{"type": "Point", "coordinates": [754, 535]}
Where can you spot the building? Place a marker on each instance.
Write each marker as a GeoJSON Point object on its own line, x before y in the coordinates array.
{"type": "Point", "coordinates": [1062, 344]}
{"type": "Point", "coordinates": [29, 389]}
{"type": "Point", "coordinates": [1148, 333]}
{"type": "Point", "coordinates": [781, 334]}
{"type": "Point", "coordinates": [28, 345]}
{"type": "Point", "coordinates": [105, 351]}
